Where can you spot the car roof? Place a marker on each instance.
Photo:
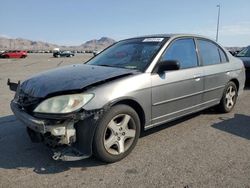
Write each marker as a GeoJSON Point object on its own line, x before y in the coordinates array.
{"type": "Point", "coordinates": [171, 35]}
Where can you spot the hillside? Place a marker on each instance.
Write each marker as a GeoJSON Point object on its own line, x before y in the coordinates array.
{"type": "Point", "coordinates": [24, 44]}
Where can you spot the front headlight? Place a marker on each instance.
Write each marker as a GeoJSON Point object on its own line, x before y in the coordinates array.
{"type": "Point", "coordinates": [64, 103]}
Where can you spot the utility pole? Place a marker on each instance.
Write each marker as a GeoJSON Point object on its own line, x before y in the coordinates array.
{"type": "Point", "coordinates": [218, 23]}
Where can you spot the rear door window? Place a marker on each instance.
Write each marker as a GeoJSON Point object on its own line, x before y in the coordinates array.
{"type": "Point", "coordinates": [223, 57]}
{"type": "Point", "coordinates": [209, 52]}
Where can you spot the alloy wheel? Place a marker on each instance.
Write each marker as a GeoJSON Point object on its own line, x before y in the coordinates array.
{"type": "Point", "coordinates": [119, 134]}
{"type": "Point", "coordinates": [230, 97]}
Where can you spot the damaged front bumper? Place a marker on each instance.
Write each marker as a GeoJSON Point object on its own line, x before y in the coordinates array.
{"type": "Point", "coordinates": [70, 139]}
{"type": "Point", "coordinates": [65, 130]}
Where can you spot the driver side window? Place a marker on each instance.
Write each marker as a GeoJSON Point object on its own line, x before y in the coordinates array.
{"type": "Point", "coordinates": [183, 51]}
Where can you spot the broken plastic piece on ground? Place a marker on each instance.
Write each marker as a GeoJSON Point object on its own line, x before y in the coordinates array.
{"type": "Point", "coordinates": [68, 154]}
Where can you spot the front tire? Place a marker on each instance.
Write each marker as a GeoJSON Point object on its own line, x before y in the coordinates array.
{"type": "Point", "coordinates": [116, 134]}
{"type": "Point", "coordinates": [229, 98]}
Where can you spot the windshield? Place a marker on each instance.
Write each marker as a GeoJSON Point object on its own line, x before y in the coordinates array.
{"type": "Point", "coordinates": [244, 53]}
{"type": "Point", "coordinates": [130, 54]}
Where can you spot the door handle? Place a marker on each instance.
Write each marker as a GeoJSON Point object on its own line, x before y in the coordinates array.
{"type": "Point", "coordinates": [197, 77]}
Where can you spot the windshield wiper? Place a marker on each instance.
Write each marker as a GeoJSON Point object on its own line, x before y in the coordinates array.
{"type": "Point", "coordinates": [115, 66]}
{"type": "Point", "coordinates": [105, 65]}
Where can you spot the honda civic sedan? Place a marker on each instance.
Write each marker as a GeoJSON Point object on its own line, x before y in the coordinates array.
{"type": "Point", "coordinates": [101, 107]}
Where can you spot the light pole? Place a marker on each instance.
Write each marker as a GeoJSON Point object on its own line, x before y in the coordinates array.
{"type": "Point", "coordinates": [218, 23]}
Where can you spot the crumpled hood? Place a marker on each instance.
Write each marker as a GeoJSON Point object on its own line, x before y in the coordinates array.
{"type": "Point", "coordinates": [69, 78]}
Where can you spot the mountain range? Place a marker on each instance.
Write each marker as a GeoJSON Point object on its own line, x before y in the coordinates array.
{"type": "Point", "coordinates": [25, 44]}
{"type": "Point", "coordinates": [95, 44]}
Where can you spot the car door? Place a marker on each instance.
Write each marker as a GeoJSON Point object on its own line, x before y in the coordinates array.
{"type": "Point", "coordinates": [18, 54]}
{"type": "Point", "coordinates": [216, 70]}
{"type": "Point", "coordinates": [10, 54]}
{"type": "Point", "coordinates": [179, 92]}
{"type": "Point", "coordinates": [15, 54]}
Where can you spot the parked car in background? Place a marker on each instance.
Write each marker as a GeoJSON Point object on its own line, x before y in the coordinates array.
{"type": "Point", "coordinates": [101, 107]}
{"type": "Point", "coordinates": [63, 54]}
{"type": "Point", "coordinates": [14, 54]}
{"type": "Point", "coordinates": [1, 52]}
{"type": "Point", "coordinates": [233, 52]}
{"type": "Point", "coordinates": [96, 52]}
{"type": "Point", "coordinates": [244, 55]}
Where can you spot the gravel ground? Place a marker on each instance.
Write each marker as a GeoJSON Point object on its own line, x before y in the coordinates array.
{"type": "Point", "coordinates": [203, 150]}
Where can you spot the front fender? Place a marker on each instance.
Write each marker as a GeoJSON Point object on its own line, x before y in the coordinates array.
{"type": "Point", "coordinates": [85, 131]}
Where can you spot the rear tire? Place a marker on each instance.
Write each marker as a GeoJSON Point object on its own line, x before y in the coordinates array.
{"type": "Point", "coordinates": [116, 134]}
{"type": "Point", "coordinates": [229, 98]}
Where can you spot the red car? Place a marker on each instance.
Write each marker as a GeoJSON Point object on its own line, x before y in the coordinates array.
{"type": "Point", "coordinates": [14, 54]}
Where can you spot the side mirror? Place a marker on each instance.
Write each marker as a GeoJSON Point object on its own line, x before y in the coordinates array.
{"type": "Point", "coordinates": [168, 65]}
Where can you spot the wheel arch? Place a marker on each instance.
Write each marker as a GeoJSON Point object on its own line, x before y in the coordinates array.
{"type": "Point", "coordinates": [135, 105]}
{"type": "Point", "coordinates": [236, 82]}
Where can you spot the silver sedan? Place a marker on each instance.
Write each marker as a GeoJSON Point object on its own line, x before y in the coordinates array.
{"type": "Point", "coordinates": [102, 106]}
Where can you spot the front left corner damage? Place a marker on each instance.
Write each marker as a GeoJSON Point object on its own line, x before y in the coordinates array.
{"type": "Point", "coordinates": [85, 128]}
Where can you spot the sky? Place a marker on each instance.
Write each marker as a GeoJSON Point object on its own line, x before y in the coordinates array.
{"type": "Point", "coordinates": [73, 22]}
